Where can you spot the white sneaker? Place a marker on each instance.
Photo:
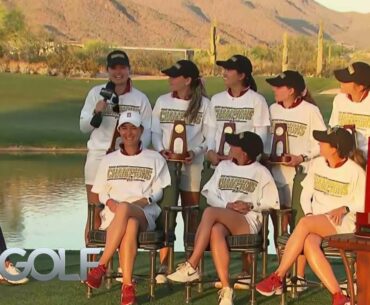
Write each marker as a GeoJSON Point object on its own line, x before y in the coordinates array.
{"type": "Point", "coordinates": [344, 286]}
{"type": "Point", "coordinates": [242, 281]}
{"type": "Point", "coordinates": [300, 281]}
{"type": "Point", "coordinates": [161, 277]}
{"type": "Point", "coordinates": [11, 269]}
{"type": "Point", "coordinates": [184, 273]}
{"type": "Point", "coordinates": [226, 296]}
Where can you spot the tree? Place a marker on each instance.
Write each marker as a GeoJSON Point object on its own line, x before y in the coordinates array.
{"type": "Point", "coordinates": [320, 48]}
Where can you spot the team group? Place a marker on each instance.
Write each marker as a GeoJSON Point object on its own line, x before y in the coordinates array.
{"type": "Point", "coordinates": [130, 180]}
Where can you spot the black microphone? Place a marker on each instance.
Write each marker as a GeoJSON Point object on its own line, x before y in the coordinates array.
{"type": "Point", "coordinates": [107, 94]}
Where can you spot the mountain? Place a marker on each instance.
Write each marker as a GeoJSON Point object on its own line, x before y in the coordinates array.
{"type": "Point", "coordinates": [186, 23]}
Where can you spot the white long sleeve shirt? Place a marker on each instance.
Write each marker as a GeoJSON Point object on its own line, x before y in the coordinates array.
{"type": "Point", "coordinates": [301, 121]}
{"type": "Point", "coordinates": [346, 112]}
{"type": "Point", "coordinates": [249, 112]}
{"type": "Point", "coordinates": [250, 183]}
{"type": "Point", "coordinates": [101, 137]}
{"type": "Point", "coordinates": [326, 188]}
{"type": "Point", "coordinates": [166, 110]}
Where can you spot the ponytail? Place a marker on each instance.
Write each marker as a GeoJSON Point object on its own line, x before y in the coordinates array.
{"type": "Point", "coordinates": [197, 92]}
{"type": "Point", "coordinates": [308, 98]}
{"type": "Point", "coordinates": [249, 81]}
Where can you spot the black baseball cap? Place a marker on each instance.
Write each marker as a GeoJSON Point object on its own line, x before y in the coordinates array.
{"type": "Point", "coordinates": [185, 68]}
{"type": "Point", "coordinates": [249, 142]}
{"type": "Point", "coordinates": [288, 78]}
{"type": "Point", "coordinates": [358, 72]}
{"type": "Point", "coordinates": [338, 137]}
{"type": "Point", "coordinates": [237, 62]}
{"type": "Point", "coordinates": [117, 57]}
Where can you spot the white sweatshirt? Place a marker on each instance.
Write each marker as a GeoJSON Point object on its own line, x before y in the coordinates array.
{"type": "Point", "coordinates": [249, 112]}
{"type": "Point", "coordinates": [326, 188]}
{"type": "Point", "coordinates": [166, 110]}
{"type": "Point", "coordinates": [129, 178]}
{"type": "Point", "coordinates": [250, 183]}
{"type": "Point", "coordinates": [346, 112]}
{"type": "Point", "coordinates": [301, 121]}
{"type": "Point", "coordinates": [101, 137]}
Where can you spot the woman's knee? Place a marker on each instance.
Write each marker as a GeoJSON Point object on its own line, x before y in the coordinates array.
{"type": "Point", "coordinates": [218, 230]}
{"type": "Point", "coordinates": [312, 243]}
{"type": "Point", "coordinates": [133, 225]}
{"type": "Point", "coordinates": [209, 213]}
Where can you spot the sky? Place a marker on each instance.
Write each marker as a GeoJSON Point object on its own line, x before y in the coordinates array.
{"type": "Point", "coordinates": [361, 6]}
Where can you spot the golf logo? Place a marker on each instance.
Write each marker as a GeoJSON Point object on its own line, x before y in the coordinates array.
{"type": "Point", "coordinates": [59, 264]}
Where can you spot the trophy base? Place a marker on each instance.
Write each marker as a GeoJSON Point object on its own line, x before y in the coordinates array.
{"type": "Point", "coordinates": [282, 159]}
{"type": "Point", "coordinates": [177, 157]}
{"type": "Point", "coordinates": [363, 225]}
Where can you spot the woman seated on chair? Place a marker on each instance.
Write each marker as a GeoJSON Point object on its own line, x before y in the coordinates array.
{"type": "Point", "coordinates": [333, 191]}
{"type": "Point", "coordinates": [237, 192]}
{"type": "Point", "coordinates": [129, 182]}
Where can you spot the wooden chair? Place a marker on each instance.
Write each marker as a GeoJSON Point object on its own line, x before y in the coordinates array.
{"type": "Point", "coordinates": [296, 213]}
{"type": "Point", "coordinates": [252, 244]}
{"type": "Point", "coordinates": [151, 241]}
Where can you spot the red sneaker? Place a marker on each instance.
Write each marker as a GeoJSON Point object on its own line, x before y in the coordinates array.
{"type": "Point", "coordinates": [270, 285]}
{"type": "Point", "coordinates": [340, 299]}
{"type": "Point", "coordinates": [128, 296]}
{"type": "Point", "coordinates": [94, 277]}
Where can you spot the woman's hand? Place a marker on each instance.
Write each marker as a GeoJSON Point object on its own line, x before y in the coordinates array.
{"type": "Point", "coordinates": [336, 215]}
{"type": "Point", "coordinates": [215, 158]}
{"type": "Point", "coordinates": [189, 159]}
{"type": "Point", "coordinates": [165, 153]}
{"type": "Point", "coordinates": [112, 205]}
{"type": "Point", "coordinates": [242, 207]}
{"type": "Point", "coordinates": [100, 106]}
{"type": "Point", "coordinates": [295, 160]}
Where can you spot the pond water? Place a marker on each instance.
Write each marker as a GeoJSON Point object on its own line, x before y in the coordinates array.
{"type": "Point", "coordinates": [43, 201]}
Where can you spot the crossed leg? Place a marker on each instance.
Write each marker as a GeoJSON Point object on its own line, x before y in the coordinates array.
{"type": "Point", "coordinates": [307, 237]}
{"type": "Point", "coordinates": [216, 224]}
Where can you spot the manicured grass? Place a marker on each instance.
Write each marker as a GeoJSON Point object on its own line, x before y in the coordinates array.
{"type": "Point", "coordinates": [44, 111]}
{"type": "Point", "coordinates": [56, 292]}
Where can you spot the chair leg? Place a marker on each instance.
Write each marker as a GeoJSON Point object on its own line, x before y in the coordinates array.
{"type": "Point", "coordinates": [89, 290]}
{"type": "Point", "coordinates": [253, 279]}
{"type": "Point", "coordinates": [153, 256]}
{"type": "Point", "coordinates": [264, 263]}
{"type": "Point", "coordinates": [349, 275]}
{"type": "Point", "coordinates": [294, 285]}
{"type": "Point", "coordinates": [283, 300]}
{"type": "Point", "coordinates": [201, 270]}
{"type": "Point", "coordinates": [108, 275]}
{"type": "Point", "coordinates": [188, 292]}
{"type": "Point", "coordinates": [171, 260]}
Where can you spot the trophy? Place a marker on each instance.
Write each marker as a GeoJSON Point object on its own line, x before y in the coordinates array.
{"type": "Point", "coordinates": [229, 127]}
{"type": "Point", "coordinates": [178, 146]}
{"type": "Point", "coordinates": [280, 144]}
{"type": "Point", "coordinates": [363, 219]}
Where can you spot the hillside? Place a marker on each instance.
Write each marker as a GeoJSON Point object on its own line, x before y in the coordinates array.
{"type": "Point", "coordinates": [186, 23]}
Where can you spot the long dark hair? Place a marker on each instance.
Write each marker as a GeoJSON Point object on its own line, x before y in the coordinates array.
{"type": "Point", "coordinates": [306, 95]}
{"type": "Point", "coordinates": [248, 81]}
{"type": "Point", "coordinates": [197, 93]}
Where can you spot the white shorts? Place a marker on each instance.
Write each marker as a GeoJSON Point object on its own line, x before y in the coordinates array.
{"type": "Point", "coordinates": [93, 159]}
{"type": "Point", "coordinates": [347, 225]}
{"type": "Point", "coordinates": [254, 221]}
{"type": "Point", "coordinates": [151, 213]}
{"type": "Point", "coordinates": [191, 174]}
